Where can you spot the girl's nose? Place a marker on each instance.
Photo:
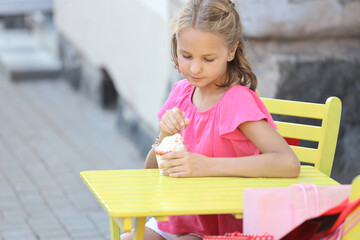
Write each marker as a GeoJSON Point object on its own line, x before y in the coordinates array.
{"type": "Point", "coordinates": [195, 67]}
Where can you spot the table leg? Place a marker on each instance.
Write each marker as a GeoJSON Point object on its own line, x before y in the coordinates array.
{"type": "Point", "coordinates": [119, 224]}
{"type": "Point", "coordinates": [114, 230]}
{"type": "Point", "coordinates": [125, 224]}
{"type": "Point", "coordinates": [139, 228]}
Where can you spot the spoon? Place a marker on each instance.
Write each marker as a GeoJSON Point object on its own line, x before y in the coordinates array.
{"type": "Point", "coordinates": [183, 128]}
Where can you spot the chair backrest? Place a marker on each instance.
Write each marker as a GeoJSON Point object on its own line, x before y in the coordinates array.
{"type": "Point", "coordinates": [325, 135]}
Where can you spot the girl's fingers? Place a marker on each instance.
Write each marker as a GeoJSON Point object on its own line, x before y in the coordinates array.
{"type": "Point", "coordinates": [173, 155]}
{"type": "Point", "coordinates": [171, 166]}
{"type": "Point", "coordinates": [178, 115]}
{"type": "Point", "coordinates": [167, 164]}
{"type": "Point", "coordinates": [164, 128]}
{"type": "Point", "coordinates": [178, 174]}
{"type": "Point", "coordinates": [177, 171]}
{"type": "Point", "coordinates": [166, 125]}
{"type": "Point", "coordinates": [174, 121]}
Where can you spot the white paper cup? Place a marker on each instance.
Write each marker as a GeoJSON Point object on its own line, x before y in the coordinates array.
{"type": "Point", "coordinates": [158, 155]}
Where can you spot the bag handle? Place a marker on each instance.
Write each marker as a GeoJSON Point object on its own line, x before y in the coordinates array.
{"type": "Point", "coordinates": [301, 186]}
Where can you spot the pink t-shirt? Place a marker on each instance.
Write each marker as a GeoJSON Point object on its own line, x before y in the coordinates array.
{"type": "Point", "coordinates": [214, 133]}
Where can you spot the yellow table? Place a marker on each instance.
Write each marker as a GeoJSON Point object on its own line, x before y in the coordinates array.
{"type": "Point", "coordinates": [128, 194]}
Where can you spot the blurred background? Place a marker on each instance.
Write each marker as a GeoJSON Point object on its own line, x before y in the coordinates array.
{"type": "Point", "coordinates": [90, 76]}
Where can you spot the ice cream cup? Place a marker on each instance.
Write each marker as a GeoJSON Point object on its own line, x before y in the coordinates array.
{"type": "Point", "coordinates": [159, 153]}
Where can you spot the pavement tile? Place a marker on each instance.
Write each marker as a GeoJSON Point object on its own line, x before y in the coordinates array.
{"type": "Point", "coordinates": [55, 236]}
{"type": "Point", "coordinates": [8, 213]}
{"type": "Point", "coordinates": [6, 192]}
{"type": "Point", "coordinates": [48, 135]}
{"type": "Point", "coordinates": [89, 237]}
{"type": "Point", "coordinates": [50, 231]}
{"type": "Point", "coordinates": [17, 236]}
{"type": "Point", "coordinates": [11, 230]}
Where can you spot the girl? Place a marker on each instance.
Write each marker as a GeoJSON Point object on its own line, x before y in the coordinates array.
{"type": "Point", "coordinates": [229, 132]}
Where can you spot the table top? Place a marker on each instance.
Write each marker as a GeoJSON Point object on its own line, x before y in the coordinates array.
{"type": "Point", "coordinates": [144, 192]}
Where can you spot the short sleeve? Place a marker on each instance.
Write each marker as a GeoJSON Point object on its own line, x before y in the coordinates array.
{"type": "Point", "coordinates": [172, 99]}
{"type": "Point", "coordinates": [241, 105]}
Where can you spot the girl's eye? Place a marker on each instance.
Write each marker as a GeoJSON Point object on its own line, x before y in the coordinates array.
{"type": "Point", "coordinates": [209, 60]}
{"type": "Point", "coordinates": [186, 56]}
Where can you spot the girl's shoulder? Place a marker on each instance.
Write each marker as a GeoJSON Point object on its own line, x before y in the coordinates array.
{"type": "Point", "coordinates": [182, 84]}
{"type": "Point", "coordinates": [243, 104]}
{"type": "Point", "coordinates": [241, 94]}
{"type": "Point", "coordinates": [182, 88]}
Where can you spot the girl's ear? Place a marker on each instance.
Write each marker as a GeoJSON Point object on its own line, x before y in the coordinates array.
{"type": "Point", "coordinates": [232, 51]}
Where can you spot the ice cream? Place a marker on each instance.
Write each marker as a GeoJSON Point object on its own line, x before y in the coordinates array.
{"type": "Point", "coordinates": [168, 144]}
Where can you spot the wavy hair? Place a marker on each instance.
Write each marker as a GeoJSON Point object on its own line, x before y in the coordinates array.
{"type": "Point", "coordinates": [220, 17]}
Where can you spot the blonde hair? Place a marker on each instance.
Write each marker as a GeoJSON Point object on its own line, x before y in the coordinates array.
{"type": "Point", "coordinates": [220, 17]}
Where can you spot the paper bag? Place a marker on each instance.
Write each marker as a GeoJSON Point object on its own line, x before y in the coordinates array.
{"type": "Point", "coordinates": [331, 225]}
{"type": "Point", "coordinates": [277, 211]}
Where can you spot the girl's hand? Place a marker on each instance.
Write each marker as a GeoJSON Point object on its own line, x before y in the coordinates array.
{"type": "Point", "coordinates": [172, 122]}
{"type": "Point", "coordinates": [184, 164]}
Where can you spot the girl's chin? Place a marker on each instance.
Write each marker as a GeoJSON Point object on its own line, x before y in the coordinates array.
{"type": "Point", "coordinates": [194, 83]}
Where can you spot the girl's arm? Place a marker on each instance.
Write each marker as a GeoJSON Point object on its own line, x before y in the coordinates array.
{"type": "Point", "coordinates": [277, 158]}
{"type": "Point", "coordinates": [150, 161]}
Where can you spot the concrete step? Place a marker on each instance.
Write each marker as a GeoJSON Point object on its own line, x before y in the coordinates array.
{"type": "Point", "coordinates": [21, 57]}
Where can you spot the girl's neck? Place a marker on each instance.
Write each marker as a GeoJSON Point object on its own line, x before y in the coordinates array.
{"type": "Point", "coordinates": [212, 89]}
{"type": "Point", "coordinates": [208, 90]}
{"type": "Point", "coordinates": [204, 99]}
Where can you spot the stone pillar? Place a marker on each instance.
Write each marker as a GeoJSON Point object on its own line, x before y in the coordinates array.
{"type": "Point", "coordinates": [309, 50]}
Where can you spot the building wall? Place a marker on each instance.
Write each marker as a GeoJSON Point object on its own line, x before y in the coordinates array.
{"type": "Point", "coordinates": [300, 18]}
{"type": "Point", "coordinates": [130, 39]}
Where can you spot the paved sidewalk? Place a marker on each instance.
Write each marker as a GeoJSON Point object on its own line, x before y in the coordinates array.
{"type": "Point", "coordinates": [48, 134]}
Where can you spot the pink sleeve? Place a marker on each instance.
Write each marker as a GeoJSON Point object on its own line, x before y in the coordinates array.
{"type": "Point", "coordinates": [171, 101]}
{"type": "Point", "coordinates": [241, 105]}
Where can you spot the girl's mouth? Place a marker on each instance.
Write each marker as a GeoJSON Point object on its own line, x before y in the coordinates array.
{"type": "Point", "coordinates": [196, 78]}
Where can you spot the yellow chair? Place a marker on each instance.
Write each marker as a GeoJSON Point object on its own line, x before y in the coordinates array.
{"type": "Point", "coordinates": [325, 135]}
{"type": "Point", "coordinates": [354, 232]}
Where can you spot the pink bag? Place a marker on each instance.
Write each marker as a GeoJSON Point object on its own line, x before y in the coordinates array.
{"type": "Point", "coordinates": [277, 211]}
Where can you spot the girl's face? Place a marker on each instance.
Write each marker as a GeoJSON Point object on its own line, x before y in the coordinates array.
{"type": "Point", "coordinates": [203, 57]}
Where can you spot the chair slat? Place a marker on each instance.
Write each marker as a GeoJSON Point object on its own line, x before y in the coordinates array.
{"type": "Point", "coordinates": [299, 131]}
{"type": "Point", "coordinates": [305, 155]}
{"type": "Point", "coordinates": [295, 108]}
